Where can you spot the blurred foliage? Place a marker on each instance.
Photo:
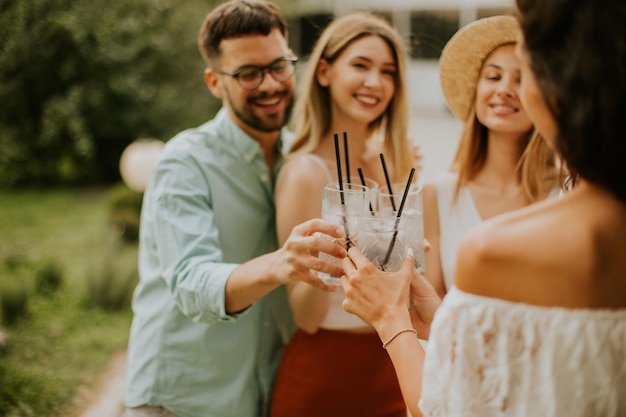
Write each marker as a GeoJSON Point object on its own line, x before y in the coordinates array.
{"type": "Point", "coordinates": [82, 79]}
{"type": "Point", "coordinates": [48, 277]}
{"type": "Point", "coordinates": [21, 278]}
{"type": "Point", "coordinates": [57, 340]}
{"type": "Point", "coordinates": [112, 275]}
{"type": "Point", "coordinates": [14, 297]}
{"type": "Point", "coordinates": [125, 212]}
{"type": "Point", "coordinates": [15, 289]}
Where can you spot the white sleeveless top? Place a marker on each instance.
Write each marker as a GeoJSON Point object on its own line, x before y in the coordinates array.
{"type": "Point", "coordinates": [454, 221]}
{"type": "Point", "coordinates": [336, 318]}
{"type": "Point", "coordinates": [489, 357]}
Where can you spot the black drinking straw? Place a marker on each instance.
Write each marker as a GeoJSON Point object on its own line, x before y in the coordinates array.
{"type": "Point", "coordinates": [339, 176]}
{"type": "Point", "coordinates": [343, 203]}
{"type": "Point", "coordinates": [345, 155]}
{"type": "Point", "coordinates": [393, 203]}
{"type": "Point", "coordinates": [395, 228]}
{"type": "Point", "coordinates": [360, 171]}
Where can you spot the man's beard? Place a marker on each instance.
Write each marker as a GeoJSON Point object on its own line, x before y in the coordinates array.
{"type": "Point", "coordinates": [273, 122]}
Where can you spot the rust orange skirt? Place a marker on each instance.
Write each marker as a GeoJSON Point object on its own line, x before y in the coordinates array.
{"type": "Point", "coordinates": [336, 373]}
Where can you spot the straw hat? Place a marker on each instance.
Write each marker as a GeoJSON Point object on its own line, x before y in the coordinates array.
{"type": "Point", "coordinates": [463, 56]}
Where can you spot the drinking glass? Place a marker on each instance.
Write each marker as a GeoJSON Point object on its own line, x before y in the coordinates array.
{"type": "Point", "coordinates": [383, 237]}
{"type": "Point", "coordinates": [372, 187]}
{"type": "Point", "coordinates": [343, 208]}
{"type": "Point", "coordinates": [412, 211]}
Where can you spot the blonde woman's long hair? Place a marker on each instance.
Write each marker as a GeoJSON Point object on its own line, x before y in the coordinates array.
{"type": "Point", "coordinates": [312, 111]}
{"type": "Point", "coordinates": [537, 169]}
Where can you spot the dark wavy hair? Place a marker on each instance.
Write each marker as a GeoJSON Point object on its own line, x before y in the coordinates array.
{"type": "Point", "coordinates": [577, 52]}
{"type": "Point", "coordinates": [236, 18]}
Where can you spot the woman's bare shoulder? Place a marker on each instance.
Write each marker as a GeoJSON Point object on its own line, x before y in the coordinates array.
{"type": "Point", "coordinates": [302, 172]}
{"type": "Point", "coordinates": [534, 255]}
{"type": "Point", "coordinates": [567, 252]}
{"type": "Point", "coordinates": [301, 164]}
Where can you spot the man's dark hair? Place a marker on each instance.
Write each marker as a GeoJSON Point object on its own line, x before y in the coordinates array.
{"type": "Point", "coordinates": [236, 18]}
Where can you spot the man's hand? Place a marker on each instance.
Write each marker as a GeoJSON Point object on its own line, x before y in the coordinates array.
{"type": "Point", "coordinates": [298, 258]}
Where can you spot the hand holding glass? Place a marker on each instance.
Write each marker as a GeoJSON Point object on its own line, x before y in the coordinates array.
{"type": "Point", "coordinates": [408, 230]}
{"type": "Point", "coordinates": [343, 208]}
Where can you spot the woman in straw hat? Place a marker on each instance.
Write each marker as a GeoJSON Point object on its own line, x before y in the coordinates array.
{"type": "Point", "coordinates": [355, 83]}
{"type": "Point", "coordinates": [536, 321]}
{"type": "Point", "coordinates": [501, 164]}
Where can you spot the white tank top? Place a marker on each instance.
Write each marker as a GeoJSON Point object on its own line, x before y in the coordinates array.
{"type": "Point", "coordinates": [454, 221]}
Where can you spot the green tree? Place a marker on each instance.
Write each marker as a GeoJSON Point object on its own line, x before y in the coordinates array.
{"type": "Point", "coordinates": [81, 79]}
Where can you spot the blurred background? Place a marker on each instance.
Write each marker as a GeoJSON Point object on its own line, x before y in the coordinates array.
{"type": "Point", "coordinates": [82, 79]}
{"type": "Point", "coordinates": [90, 90]}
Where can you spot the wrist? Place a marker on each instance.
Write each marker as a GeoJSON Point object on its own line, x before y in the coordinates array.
{"type": "Point", "coordinates": [386, 330]}
{"type": "Point", "coordinates": [406, 330]}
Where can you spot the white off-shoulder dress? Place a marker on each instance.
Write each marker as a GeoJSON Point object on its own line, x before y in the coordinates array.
{"type": "Point", "coordinates": [489, 357]}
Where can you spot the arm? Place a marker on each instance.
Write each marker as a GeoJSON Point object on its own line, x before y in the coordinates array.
{"type": "Point", "coordinates": [380, 299]}
{"type": "Point", "coordinates": [179, 220]}
{"type": "Point", "coordinates": [424, 302]}
{"type": "Point", "coordinates": [433, 272]}
{"type": "Point", "coordinates": [295, 262]}
{"type": "Point", "coordinates": [299, 198]}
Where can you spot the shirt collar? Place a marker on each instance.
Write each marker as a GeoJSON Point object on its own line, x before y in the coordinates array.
{"type": "Point", "coordinates": [244, 143]}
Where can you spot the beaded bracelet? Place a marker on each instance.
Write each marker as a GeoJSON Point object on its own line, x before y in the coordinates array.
{"type": "Point", "coordinates": [398, 333]}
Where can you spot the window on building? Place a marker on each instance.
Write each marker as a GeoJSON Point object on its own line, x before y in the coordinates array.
{"type": "Point", "coordinates": [487, 12]}
{"type": "Point", "coordinates": [430, 30]}
{"type": "Point", "coordinates": [304, 32]}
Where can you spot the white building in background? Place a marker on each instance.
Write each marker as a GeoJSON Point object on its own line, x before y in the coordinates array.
{"type": "Point", "coordinates": [425, 24]}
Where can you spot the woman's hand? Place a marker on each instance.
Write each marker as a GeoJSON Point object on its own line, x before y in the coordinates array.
{"type": "Point", "coordinates": [424, 302]}
{"type": "Point", "coordinates": [379, 298]}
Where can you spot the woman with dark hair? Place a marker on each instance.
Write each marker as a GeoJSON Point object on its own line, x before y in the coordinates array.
{"type": "Point", "coordinates": [536, 321]}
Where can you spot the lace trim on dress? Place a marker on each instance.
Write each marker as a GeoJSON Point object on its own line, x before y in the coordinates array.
{"type": "Point", "coordinates": [491, 357]}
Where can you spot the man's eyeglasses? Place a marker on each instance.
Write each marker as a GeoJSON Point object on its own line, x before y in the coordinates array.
{"type": "Point", "coordinates": [251, 77]}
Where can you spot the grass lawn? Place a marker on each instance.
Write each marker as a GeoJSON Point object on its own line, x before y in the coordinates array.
{"type": "Point", "coordinates": [63, 341]}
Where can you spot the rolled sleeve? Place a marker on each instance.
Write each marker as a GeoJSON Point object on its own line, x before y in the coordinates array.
{"type": "Point", "coordinates": [188, 247]}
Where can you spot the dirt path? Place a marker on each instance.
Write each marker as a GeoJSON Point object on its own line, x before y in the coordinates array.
{"type": "Point", "coordinates": [105, 397]}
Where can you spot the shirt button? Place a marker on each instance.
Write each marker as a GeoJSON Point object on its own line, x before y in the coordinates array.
{"type": "Point", "coordinates": [247, 157]}
{"type": "Point", "coordinates": [264, 177]}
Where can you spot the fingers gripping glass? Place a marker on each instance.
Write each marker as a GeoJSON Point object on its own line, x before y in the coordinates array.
{"type": "Point", "coordinates": [251, 77]}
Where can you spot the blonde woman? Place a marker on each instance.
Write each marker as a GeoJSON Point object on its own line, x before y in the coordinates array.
{"type": "Point", "coordinates": [355, 83]}
{"type": "Point", "coordinates": [501, 164]}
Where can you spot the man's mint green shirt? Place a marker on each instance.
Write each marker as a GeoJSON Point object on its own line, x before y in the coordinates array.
{"type": "Point", "coordinates": [208, 208]}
